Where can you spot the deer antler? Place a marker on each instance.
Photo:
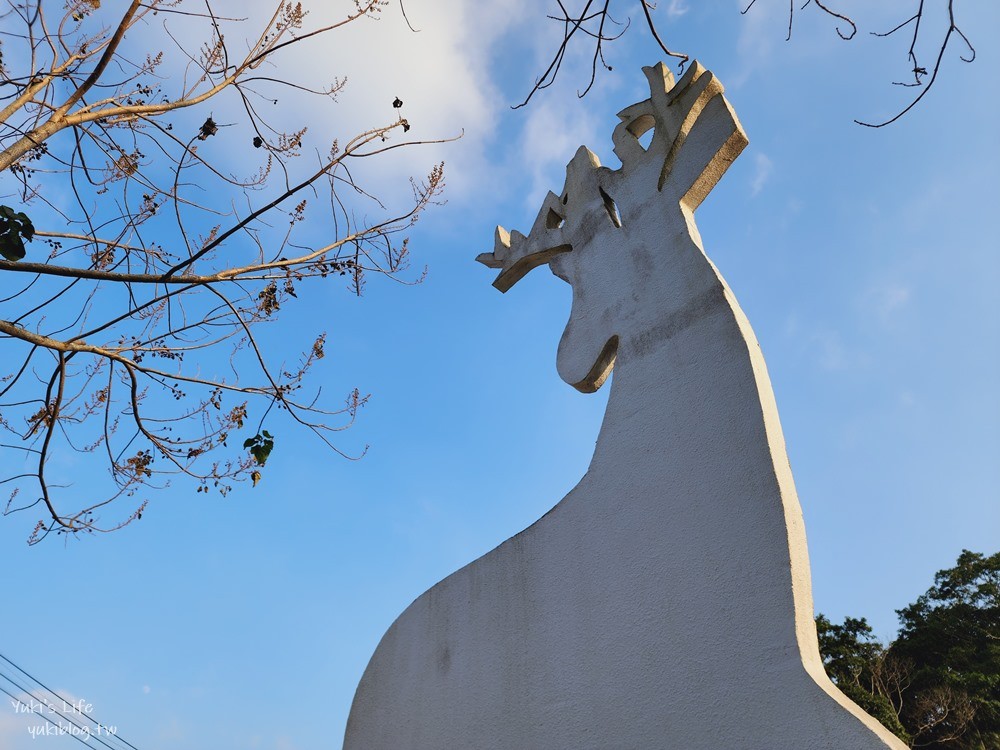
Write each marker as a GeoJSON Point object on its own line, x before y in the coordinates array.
{"type": "Point", "coordinates": [673, 112]}
{"type": "Point", "coordinates": [515, 255]}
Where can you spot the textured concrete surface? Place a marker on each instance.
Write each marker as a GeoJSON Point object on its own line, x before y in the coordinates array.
{"type": "Point", "coordinates": [665, 602]}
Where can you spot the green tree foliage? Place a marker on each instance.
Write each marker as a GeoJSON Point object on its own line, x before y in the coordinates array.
{"type": "Point", "coordinates": [938, 684]}
{"type": "Point", "coordinates": [952, 636]}
{"type": "Point", "coordinates": [860, 665]}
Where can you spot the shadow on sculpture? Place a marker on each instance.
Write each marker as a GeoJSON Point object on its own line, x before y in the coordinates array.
{"type": "Point", "coordinates": [665, 602]}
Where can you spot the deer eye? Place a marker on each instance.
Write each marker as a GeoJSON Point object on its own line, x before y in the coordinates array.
{"type": "Point", "coordinates": [611, 208]}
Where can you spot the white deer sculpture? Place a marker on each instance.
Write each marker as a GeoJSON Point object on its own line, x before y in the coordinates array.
{"type": "Point", "coordinates": [665, 602]}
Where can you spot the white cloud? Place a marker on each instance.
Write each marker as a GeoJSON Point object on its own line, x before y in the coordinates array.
{"type": "Point", "coordinates": [886, 301]}
{"type": "Point", "coordinates": [759, 33]}
{"type": "Point", "coordinates": [443, 87]}
{"type": "Point", "coordinates": [547, 143]}
{"type": "Point", "coordinates": [763, 167]}
{"type": "Point", "coordinates": [13, 726]}
{"type": "Point", "coordinates": [792, 325]}
{"type": "Point", "coordinates": [24, 717]}
{"type": "Point", "coordinates": [173, 732]}
{"type": "Point", "coordinates": [831, 352]}
{"type": "Point", "coordinates": [893, 297]}
{"type": "Point", "coordinates": [555, 124]}
{"type": "Point", "coordinates": [676, 9]}
{"type": "Point", "coordinates": [445, 76]}
{"type": "Point", "coordinates": [441, 73]}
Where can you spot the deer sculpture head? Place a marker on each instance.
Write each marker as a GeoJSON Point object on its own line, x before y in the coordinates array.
{"type": "Point", "coordinates": [625, 239]}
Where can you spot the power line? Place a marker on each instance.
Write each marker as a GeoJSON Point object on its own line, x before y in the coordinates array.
{"type": "Point", "coordinates": [84, 731]}
{"type": "Point", "coordinates": [101, 728]}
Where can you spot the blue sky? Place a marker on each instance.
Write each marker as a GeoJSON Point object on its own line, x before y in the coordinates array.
{"type": "Point", "coordinates": [866, 261]}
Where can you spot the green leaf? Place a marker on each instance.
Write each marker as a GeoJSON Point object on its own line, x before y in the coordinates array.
{"type": "Point", "coordinates": [15, 227]}
{"type": "Point", "coordinates": [11, 247]}
{"type": "Point", "coordinates": [27, 228]}
{"type": "Point", "coordinates": [260, 446]}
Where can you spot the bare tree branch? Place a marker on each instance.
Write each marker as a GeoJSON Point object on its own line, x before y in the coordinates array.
{"type": "Point", "coordinates": [591, 20]}
{"type": "Point", "coordinates": [136, 315]}
{"type": "Point", "coordinates": [918, 71]}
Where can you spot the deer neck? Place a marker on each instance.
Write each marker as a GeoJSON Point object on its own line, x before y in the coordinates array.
{"type": "Point", "coordinates": [688, 390]}
{"type": "Point", "coordinates": [690, 457]}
